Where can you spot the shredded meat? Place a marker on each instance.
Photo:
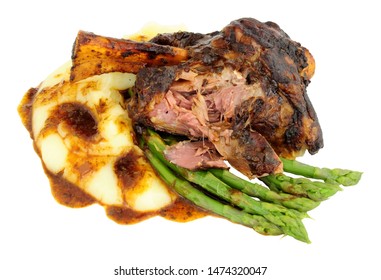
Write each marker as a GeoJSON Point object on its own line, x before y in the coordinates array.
{"type": "Point", "coordinates": [195, 155]}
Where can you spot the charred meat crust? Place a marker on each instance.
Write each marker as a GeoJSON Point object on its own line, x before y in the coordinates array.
{"type": "Point", "coordinates": [259, 155]}
{"type": "Point", "coordinates": [148, 89]}
{"type": "Point", "coordinates": [182, 39]}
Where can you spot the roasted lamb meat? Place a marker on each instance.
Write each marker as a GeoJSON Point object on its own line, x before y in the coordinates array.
{"type": "Point", "coordinates": [241, 90]}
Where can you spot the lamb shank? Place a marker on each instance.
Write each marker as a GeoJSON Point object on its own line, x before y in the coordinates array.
{"type": "Point", "coordinates": [240, 96]}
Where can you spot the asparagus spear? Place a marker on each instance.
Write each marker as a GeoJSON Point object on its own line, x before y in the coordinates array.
{"type": "Point", "coordinates": [343, 177]}
{"type": "Point", "coordinates": [302, 204]}
{"type": "Point", "coordinates": [186, 190]}
{"type": "Point", "coordinates": [287, 219]}
{"type": "Point", "coordinates": [317, 191]}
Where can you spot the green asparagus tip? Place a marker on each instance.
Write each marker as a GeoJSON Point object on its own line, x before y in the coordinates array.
{"type": "Point", "coordinates": [347, 177]}
{"type": "Point", "coordinates": [302, 204]}
{"type": "Point", "coordinates": [301, 235]}
{"type": "Point", "coordinates": [343, 177]}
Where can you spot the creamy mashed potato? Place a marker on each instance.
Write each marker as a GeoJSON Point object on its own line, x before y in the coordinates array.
{"type": "Point", "coordinates": [86, 156]}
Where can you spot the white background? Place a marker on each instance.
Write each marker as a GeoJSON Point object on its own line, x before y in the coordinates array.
{"type": "Point", "coordinates": [40, 239]}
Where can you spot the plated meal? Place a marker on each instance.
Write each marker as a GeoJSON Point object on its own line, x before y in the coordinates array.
{"type": "Point", "coordinates": [152, 126]}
